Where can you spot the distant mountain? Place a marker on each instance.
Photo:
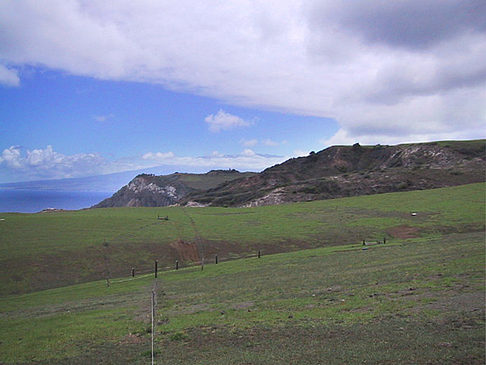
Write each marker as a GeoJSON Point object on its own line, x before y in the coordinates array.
{"type": "Point", "coordinates": [148, 190]}
{"type": "Point", "coordinates": [341, 171]}
{"type": "Point", "coordinates": [98, 183]}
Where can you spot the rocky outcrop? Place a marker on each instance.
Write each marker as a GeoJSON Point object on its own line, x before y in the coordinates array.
{"type": "Point", "coordinates": [341, 171]}
{"type": "Point", "coordinates": [337, 171]}
{"type": "Point", "coordinates": [157, 191]}
{"type": "Point", "coordinates": [144, 191]}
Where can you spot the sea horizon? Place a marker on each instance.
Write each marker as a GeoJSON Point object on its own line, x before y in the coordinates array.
{"type": "Point", "coordinates": [33, 201]}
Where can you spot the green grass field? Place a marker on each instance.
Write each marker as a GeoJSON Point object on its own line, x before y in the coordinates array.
{"type": "Point", "coordinates": [62, 248]}
{"type": "Point", "coordinates": [420, 301]}
{"type": "Point", "coordinates": [417, 299]}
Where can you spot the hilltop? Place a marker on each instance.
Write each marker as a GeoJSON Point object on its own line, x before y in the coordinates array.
{"type": "Point", "coordinates": [335, 172]}
{"type": "Point", "coordinates": [342, 171]}
{"type": "Point", "coordinates": [149, 190]}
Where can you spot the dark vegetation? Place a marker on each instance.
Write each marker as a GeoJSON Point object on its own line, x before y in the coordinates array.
{"type": "Point", "coordinates": [342, 171]}
{"type": "Point", "coordinates": [335, 172]}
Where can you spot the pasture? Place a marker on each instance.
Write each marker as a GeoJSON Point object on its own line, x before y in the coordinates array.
{"type": "Point", "coordinates": [46, 250]}
{"type": "Point", "coordinates": [419, 298]}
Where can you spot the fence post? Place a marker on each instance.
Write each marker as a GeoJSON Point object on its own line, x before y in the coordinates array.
{"type": "Point", "coordinates": [384, 240]}
{"type": "Point", "coordinates": [259, 254]}
{"type": "Point", "coordinates": [155, 268]}
{"type": "Point", "coordinates": [364, 243]}
{"type": "Point", "coordinates": [133, 272]}
{"type": "Point", "coordinates": [216, 259]}
{"type": "Point", "coordinates": [177, 265]}
{"type": "Point", "coordinates": [153, 324]}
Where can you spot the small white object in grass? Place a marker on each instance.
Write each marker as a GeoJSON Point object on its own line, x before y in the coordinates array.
{"type": "Point", "coordinates": [414, 214]}
{"type": "Point", "coordinates": [2, 219]}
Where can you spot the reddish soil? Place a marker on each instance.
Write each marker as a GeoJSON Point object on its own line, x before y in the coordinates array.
{"type": "Point", "coordinates": [186, 251]}
{"type": "Point", "coordinates": [403, 232]}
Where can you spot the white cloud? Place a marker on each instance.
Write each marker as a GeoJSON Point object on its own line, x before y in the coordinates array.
{"type": "Point", "coordinates": [19, 164]}
{"type": "Point", "coordinates": [247, 159]}
{"type": "Point", "coordinates": [224, 121]}
{"type": "Point", "coordinates": [37, 164]}
{"type": "Point", "coordinates": [265, 142]}
{"type": "Point", "coordinates": [375, 70]}
{"type": "Point", "coordinates": [11, 157]}
{"type": "Point", "coordinates": [269, 142]}
{"type": "Point", "coordinates": [8, 76]}
{"type": "Point", "coordinates": [249, 142]}
{"type": "Point", "coordinates": [49, 163]}
{"type": "Point", "coordinates": [248, 152]}
{"type": "Point", "coordinates": [158, 156]}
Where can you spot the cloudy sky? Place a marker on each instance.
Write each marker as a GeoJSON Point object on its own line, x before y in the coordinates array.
{"type": "Point", "coordinates": [91, 88]}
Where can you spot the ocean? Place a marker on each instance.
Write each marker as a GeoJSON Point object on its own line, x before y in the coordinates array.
{"type": "Point", "coordinates": [31, 201]}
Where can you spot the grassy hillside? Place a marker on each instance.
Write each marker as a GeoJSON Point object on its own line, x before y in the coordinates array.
{"type": "Point", "coordinates": [418, 299]}
{"type": "Point", "coordinates": [212, 178]}
{"type": "Point", "coordinates": [415, 301]}
{"type": "Point", "coordinates": [47, 250]}
{"type": "Point", "coordinates": [343, 171]}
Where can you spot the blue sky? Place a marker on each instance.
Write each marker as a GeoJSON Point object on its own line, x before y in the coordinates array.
{"type": "Point", "coordinates": [96, 88]}
{"type": "Point", "coordinates": [129, 124]}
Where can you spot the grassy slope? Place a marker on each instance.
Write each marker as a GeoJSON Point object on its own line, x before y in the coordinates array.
{"type": "Point", "coordinates": [414, 301]}
{"type": "Point", "coordinates": [62, 248]}
{"type": "Point", "coordinates": [211, 180]}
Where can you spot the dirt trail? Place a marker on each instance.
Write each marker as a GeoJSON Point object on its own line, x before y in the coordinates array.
{"type": "Point", "coordinates": [199, 242]}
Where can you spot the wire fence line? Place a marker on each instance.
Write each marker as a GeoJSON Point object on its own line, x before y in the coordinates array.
{"type": "Point", "coordinates": [146, 271]}
{"type": "Point", "coordinates": [153, 317]}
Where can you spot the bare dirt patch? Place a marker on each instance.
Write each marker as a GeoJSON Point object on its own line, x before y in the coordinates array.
{"type": "Point", "coordinates": [187, 251]}
{"type": "Point", "coordinates": [403, 232]}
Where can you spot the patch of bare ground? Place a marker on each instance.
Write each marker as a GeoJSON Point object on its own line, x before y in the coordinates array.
{"type": "Point", "coordinates": [186, 251]}
{"type": "Point", "coordinates": [403, 232]}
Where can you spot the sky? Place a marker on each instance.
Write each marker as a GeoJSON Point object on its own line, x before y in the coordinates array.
{"type": "Point", "coordinates": [90, 88]}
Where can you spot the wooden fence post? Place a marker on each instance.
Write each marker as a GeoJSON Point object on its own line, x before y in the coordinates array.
{"type": "Point", "coordinates": [177, 265]}
{"type": "Point", "coordinates": [133, 272]}
{"type": "Point", "coordinates": [155, 268]}
{"type": "Point", "coordinates": [216, 259]}
{"type": "Point", "coordinates": [259, 254]}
